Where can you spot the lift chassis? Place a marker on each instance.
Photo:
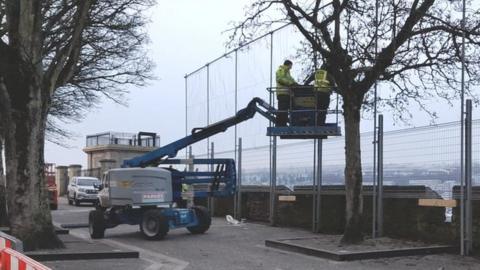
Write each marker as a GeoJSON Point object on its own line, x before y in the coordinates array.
{"type": "Point", "coordinates": [141, 193]}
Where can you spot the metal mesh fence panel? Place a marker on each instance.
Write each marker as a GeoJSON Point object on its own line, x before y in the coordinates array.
{"type": "Point", "coordinates": [222, 99]}
{"type": "Point", "coordinates": [255, 166]}
{"type": "Point", "coordinates": [197, 105]}
{"type": "Point", "coordinates": [476, 156]}
{"type": "Point", "coordinates": [295, 164]}
{"type": "Point", "coordinates": [426, 156]}
{"type": "Point", "coordinates": [253, 79]}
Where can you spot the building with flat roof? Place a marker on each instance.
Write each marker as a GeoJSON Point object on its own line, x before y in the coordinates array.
{"type": "Point", "coordinates": [115, 147]}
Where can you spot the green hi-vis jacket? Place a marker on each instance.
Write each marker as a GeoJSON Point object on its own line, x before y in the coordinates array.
{"type": "Point", "coordinates": [322, 84]}
{"type": "Point", "coordinates": [284, 80]}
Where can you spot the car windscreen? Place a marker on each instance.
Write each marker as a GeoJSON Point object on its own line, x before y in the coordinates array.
{"type": "Point", "coordinates": [87, 182]}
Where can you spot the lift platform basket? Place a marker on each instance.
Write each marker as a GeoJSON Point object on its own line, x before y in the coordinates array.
{"type": "Point", "coordinates": [314, 132]}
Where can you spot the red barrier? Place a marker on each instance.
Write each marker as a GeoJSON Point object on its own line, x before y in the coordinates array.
{"type": "Point", "coordinates": [5, 243]}
{"type": "Point", "coordinates": [13, 260]}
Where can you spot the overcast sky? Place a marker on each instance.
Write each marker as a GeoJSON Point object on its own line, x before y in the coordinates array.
{"type": "Point", "coordinates": [185, 34]}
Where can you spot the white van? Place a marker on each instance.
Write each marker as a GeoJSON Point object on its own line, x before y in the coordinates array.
{"type": "Point", "coordinates": [81, 189]}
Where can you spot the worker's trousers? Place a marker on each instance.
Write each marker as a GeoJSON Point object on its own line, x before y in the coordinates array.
{"type": "Point", "coordinates": [323, 101]}
{"type": "Point", "coordinates": [283, 106]}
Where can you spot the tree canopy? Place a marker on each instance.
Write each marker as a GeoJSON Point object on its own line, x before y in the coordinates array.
{"type": "Point", "coordinates": [57, 58]}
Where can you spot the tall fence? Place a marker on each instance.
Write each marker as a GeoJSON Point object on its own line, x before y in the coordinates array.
{"type": "Point", "coordinates": [226, 85]}
{"type": "Point", "coordinates": [427, 156]}
{"type": "Point", "coordinates": [414, 156]}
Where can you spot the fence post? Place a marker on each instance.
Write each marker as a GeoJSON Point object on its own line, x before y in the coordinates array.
{"type": "Point", "coordinates": [468, 179]}
{"type": "Point", "coordinates": [208, 105]}
{"type": "Point", "coordinates": [273, 182]}
{"type": "Point", "coordinates": [317, 187]}
{"type": "Point", "coordinates": [211, 200]}
{"type": "Point", "coordinates": [238, 199]}
{"type": "Point", "coordinates": [374, 185]}
{"type": "Point", "coordinates": [380, 176]}
{"type": "Point", "coordinates": [314, 176]}
{"type": "Point", "coordinates": [190, 157]}
{"type": "Point", "coordinates": [186, 112]}
{"type": "Point", "coordinates": [236, 100]}
{"type": "Point", "coordinates": [273, 151]}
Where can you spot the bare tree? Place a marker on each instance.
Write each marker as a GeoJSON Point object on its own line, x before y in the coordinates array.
{"type": "Point", "coordinates": [411, 48]}
{"type": "Point", "coordinates": [55, 54]}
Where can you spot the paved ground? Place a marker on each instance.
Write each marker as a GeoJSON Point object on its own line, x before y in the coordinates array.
{"type": "Point", "coordinates": [68, 214]}
{"type": "Point", "coordinates": [228, 247]}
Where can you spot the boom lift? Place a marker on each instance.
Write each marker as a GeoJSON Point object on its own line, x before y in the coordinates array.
{"type": "Point", "coordinates": [142, 193]}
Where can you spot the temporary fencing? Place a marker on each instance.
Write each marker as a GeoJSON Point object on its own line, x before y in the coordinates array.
{"type": "Point", "coordinates": [11, 257]}
{"type": "Point", "coordinates": [224, 86]}
{"type": "Point", "coordinates": [8, 241]}
{"type": "Point", "coordinates": [422, 162]}
{"type": "Point", "coordinates": [5, 243]}
{"type": "Point", "coordinates": [14, 260]}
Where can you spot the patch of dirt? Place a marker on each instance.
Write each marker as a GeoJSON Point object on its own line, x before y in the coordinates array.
{"type": "Point", "coordinates": [332, 243]}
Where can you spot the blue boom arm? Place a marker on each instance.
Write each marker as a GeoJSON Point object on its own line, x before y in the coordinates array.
{"type": "Point", "coordinates": [220, 183]}
{"type": "Point", "coordinates": [159, 155]}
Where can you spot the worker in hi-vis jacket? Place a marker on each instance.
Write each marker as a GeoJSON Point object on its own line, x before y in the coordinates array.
{"type": "Point", "coordinates": [324, 83]}
{"type": "Point", "coordinates": [285, 82]}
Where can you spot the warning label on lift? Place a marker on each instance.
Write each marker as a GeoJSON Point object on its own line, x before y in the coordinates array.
{"type": "Point", "coordinates": [153, 197]}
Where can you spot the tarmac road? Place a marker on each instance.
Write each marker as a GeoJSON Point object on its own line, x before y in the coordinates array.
{"type": "Point", "coordinates": [226, 246]}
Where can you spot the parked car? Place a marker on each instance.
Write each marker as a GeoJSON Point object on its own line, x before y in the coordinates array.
{"type": "Point", "coordinates": [81, 189]}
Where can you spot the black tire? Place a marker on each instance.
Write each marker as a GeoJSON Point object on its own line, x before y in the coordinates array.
{"type": "Point", "coordinates": [96, 224]}
{"type": "Point", "coordinates": [154, 226]}
{"type": "Point", "coordinates": [70, 202]}
{"type": "Point", "coordinates": [77, 202]}
{"type": "Point", "coordinates": [204, 220]}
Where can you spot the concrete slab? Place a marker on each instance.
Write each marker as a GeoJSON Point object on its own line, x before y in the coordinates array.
{"type": "Point", "coordinates": [74, 225]}
{"type": "Point", "coordinates": [57, 230]}
{"type": "Point", "coordinates": [81, 249]}
{"type": "Point", "coordinates": [313, 246]}
{"type": "Point", "coordinates": [117, 264]}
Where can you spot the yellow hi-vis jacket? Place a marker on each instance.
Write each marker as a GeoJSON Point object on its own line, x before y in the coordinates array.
{"type": "Point", "coordinates": [284, 80]}
{"type": "Point", "coordinates": [322, 84]}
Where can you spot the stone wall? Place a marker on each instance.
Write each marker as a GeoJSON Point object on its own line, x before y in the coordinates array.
{"type": "Point", "coordinates": [74, 170]}
{"type": "Point", "coordinates": [61, 179]}
{"type": "Point", "coordinates": [403, 217]}
{"type": "Point", "coordinates": [475, 216]}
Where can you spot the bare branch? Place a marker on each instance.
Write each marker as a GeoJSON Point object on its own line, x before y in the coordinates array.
{"type": "Point", "coordinates": [66, 58]}
{"type": "Point", "coordinates": [419, 40]}
{"type": "Point", "coordinates": [386, 56]}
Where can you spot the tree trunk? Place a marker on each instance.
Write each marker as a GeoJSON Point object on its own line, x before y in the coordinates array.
{"type": "Point", "coordinates": [24, 133]}
{"type": "Point", "coordinates": [353, 171]}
